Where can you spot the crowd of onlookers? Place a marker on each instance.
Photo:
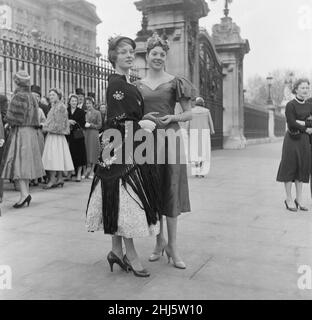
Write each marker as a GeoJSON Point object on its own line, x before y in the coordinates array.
{"type": "Point", "coordinates": [48, 139]}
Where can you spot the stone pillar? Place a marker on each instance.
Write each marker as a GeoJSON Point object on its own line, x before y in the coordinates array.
{"type": "Point", "coordinates": [271, 124]}
{"type": "Point", "coordinates": [232, 49]}
{"type": "Point", "coordinates": [176, 21]}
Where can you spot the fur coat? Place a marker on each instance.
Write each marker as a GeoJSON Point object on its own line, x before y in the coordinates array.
{"type": "Point", "coordinates": [57, 120]}
{"type": "Point", "coordinates": [23, 109]}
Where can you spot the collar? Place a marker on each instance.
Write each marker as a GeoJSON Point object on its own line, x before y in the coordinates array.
{"type": "Point", "coordinates": [302, 101]}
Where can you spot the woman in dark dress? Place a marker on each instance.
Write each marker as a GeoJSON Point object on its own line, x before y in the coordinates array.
{"type": "Point", "coordinates": [125, 197]}
{"type": "Point", "coordinates": [161, 91]}
{"type": "Point", "coordinates": [77, 120]}
{"type": "Point", "coordinates": [295, 165]}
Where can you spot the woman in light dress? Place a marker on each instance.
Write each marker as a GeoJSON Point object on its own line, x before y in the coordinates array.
{"type": "Point", "coordinates": [56, 157]}
{"type": "Point", "coordinates": [200, 129]}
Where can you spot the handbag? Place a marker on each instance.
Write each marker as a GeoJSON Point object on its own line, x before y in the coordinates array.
{"type": "Point", "coordinates": [78, 133]}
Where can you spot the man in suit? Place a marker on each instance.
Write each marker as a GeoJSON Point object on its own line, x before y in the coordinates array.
{"type": "Point", "coordinates": [81, 99]}
{"type": "Point", "coordinates": [36, 91]}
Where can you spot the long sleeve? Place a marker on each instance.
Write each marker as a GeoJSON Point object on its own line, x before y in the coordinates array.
{"type": "Point", "coordinates": [57, 121]}
{"type": "Point", "coordinates": [4, 109]}
{"type": "Point", "coordinates": [97, 121]}
{"type": "Point", "coordinates": [290, 114]}
{"type": "Point", "coordinates": [1, 128]}
{"type": "Point", "coordinates": [81, 120]}
{"type": "Point", "coordinates": [210, 122]}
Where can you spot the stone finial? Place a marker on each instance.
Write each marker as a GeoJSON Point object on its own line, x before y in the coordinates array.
{"type": "Point", "coordinates": [226, 32]}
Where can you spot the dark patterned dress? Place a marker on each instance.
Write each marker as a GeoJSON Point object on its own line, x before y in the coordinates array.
{"type": "Point", "coordinates": [125, 197]}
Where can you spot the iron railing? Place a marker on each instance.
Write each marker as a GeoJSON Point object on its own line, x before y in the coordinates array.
{"type": "Point", "coordinates": [256, 122]}
{"type": "Point", "coordinates": [53, 68]}
{"type": "Point", "coordinates": [279, 125]}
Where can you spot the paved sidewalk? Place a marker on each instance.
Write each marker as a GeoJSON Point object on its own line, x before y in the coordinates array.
{"type": "Point", "coordinates": [239, 242]}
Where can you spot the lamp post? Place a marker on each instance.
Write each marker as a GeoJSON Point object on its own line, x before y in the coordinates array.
{"type": "Point", "coordinates": [270, 81]}
{"type": "Point", "coordinates": [98, 55]}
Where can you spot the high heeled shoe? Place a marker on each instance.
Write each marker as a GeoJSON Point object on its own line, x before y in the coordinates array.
{"type": "Point", "coordinates": [21, 205]}
{"type": "Point", "coordinates": [138, 273]}
{"type": "Point", "coordinates": [49, 186]}
{"type": "Point", "coordinates": [177, 264]}
{"type": "Point", "coordinates": [298, 206]}
{"type": "Point", "coordinates": [59, 184]}
{"type": "Point", "coordinates": [155, 256]}
{"type": "Point", "coordinates": [289, 208]}
{"type": "Point", "coordinates": [113, 258]}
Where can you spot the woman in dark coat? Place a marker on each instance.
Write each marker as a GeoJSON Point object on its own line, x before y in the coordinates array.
{"type": "Point", "coordinates": [125, 197]}
{"type": "Point", "coordinates": [295, 164]}
{"type": "Point", "coordinates": [77, 120]}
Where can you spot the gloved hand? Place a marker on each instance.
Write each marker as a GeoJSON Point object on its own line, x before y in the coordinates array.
{"type": "Point", "coordinates": [147, 125]}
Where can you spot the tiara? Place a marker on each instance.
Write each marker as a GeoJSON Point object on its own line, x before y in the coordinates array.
{"type": "Point", "coordinates": [155, 40]}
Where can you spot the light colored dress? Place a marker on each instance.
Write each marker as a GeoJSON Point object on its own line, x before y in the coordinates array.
{"type": "Point", "coordinates": [131, 220]}
{"type": "Point", "coordinates": [56, 155]}
{"type": "Point", "coordinates": [200, 128]}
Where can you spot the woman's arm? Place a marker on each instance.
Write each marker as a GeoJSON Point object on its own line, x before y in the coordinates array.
{"type": "Point", "coordinates": [97, 123]}
{"type": "Point", "coordinates": [186, 115]}
{"type": "Point", "coordinates": [291, 118]}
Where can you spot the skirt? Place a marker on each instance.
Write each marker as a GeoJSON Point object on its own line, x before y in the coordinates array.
{"type": "Point", "coordinates": [56, 155]}
{"type": "Point", "coordinates": [296, 159]}
{"type": "Point", "coordinates": [41, 141]}
{"type": "Point", "coordinates": [22, 156]}
{"type": "Point", "coordinates": [78, 152]}
{"type": "Point", "coordinates": [132, 221]}
{"type": "Point", "coordinates": [92, 145]}
{"type": "Point", "coordinates": [173, 174]}
{"type": "Point", "coordinates": [200, 152]}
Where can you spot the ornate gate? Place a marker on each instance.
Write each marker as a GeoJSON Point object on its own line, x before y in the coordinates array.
{"type": "Point", "coordinates": [211, 85]}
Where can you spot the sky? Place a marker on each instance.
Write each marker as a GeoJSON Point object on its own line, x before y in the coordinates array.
{"type": "Point", "coordinates": [279, 31]}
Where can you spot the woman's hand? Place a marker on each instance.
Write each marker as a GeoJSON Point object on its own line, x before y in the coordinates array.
{"type": "Point", "coordinates": [87, 125]}
{"type": "Point", "coordinates": [309, 131]}
{"type": "Point", "coordinates": [72, 122]}
{"type": "Point", "coordinates": [165, 120]}
{"type": "Point", "coordinates": [1, 143]}
{"type": "Point", "coordinates": [150, 116]}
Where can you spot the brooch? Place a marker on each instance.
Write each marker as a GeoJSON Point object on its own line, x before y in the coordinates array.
{"type": "Point", "coordinates": [118, 95]}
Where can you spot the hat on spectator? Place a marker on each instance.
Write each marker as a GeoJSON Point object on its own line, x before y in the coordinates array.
{"type": "Point", "coordinates": [91, 95]}
{"type": "Point", "coordinates": [22, 78]}
{"type": "Point", "coordinates": [200, 102]}
{"type": "Point", "coordinates": [36, 89]}
{"type": "Point", "coordinates": [79, 91]}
